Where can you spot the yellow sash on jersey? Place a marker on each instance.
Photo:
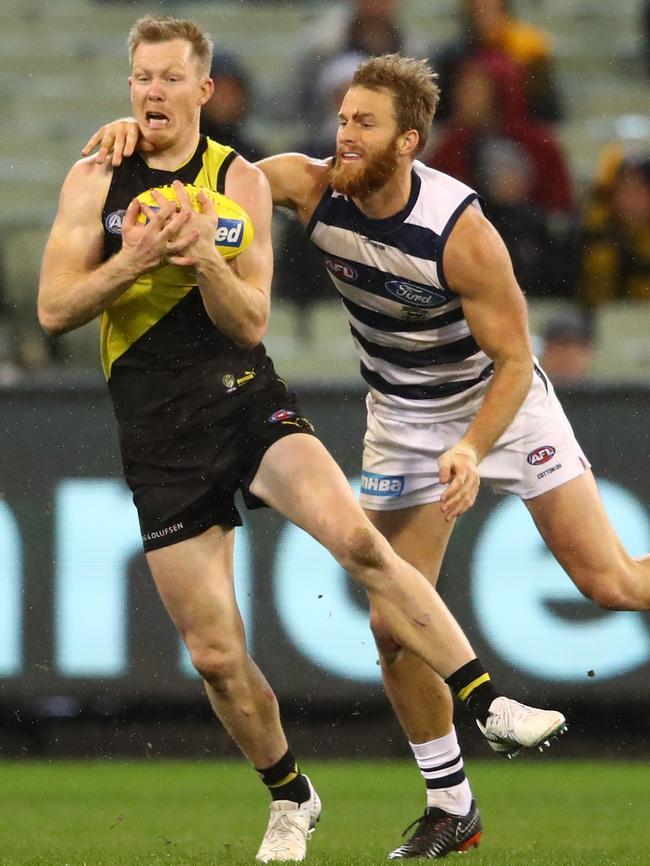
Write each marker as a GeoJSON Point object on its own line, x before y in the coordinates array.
{"type": "Point", "coordinates": [154, 294]}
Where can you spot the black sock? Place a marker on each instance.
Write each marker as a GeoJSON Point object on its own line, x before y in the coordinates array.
{"type": "Point", "coordinates": [472, 686]}
{"type": "Point", "coordinates": [285, 781]}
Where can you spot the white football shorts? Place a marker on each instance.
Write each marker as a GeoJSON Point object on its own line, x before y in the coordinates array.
{"type": "Point", "coordinates": [537, 452]}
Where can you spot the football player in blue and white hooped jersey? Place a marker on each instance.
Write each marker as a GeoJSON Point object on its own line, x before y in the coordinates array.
{"type": "Point", "coordinates": [455, 394]}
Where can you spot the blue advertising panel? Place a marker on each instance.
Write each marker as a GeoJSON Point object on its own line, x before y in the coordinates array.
{"type": "Point", "coordinates": [79, 615]}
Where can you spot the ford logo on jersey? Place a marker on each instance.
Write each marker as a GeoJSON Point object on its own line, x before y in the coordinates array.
{"type": "Point", "coordinates": [382, 485]}
{"type": "Point", "coordinates": [416, 296]}
{"type": "Point", "coordinates": [229, 232]}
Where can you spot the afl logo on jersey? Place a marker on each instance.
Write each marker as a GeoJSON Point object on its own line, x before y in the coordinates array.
{"type": "Point", "coordinates": [341, 270]}
{"type": "Point", "coordinates": [541, 455]}
{"type": "Point", "coordinates": [414, 295]}
{"type": "Point", "coordinates": [113, 222]}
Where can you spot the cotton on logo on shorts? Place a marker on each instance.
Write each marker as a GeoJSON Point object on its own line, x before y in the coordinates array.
{"type": "Point", "coordinates": [541, 455]}
{"type": "Point", "coordinates": [382, 485]}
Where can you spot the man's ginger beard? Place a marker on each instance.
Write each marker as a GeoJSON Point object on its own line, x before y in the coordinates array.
{"type": "Point", "coordinates": [355, 183]}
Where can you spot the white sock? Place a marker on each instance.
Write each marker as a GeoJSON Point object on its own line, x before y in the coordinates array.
{"type": "Point", "coordinates": [441, 765]}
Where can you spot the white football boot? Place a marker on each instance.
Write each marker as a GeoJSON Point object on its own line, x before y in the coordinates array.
{"type": "Point", "coordinates": [512, 726]}
{"type": "Point", "coordinates": [290, 826]}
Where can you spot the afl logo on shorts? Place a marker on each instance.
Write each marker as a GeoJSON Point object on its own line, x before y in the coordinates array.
{"type": "Point", "coordinates": [113, 222]}
{"type": "Point", "coordinates": [541, 455]}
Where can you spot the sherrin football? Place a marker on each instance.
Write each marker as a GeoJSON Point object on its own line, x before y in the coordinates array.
{"type": "Point", "coordinates": [234, 229]}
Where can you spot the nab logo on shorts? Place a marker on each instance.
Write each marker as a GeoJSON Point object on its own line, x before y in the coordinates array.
{"type": "Point", "coordinates": [229, 232]}
{"type": "Point", "coordinates": [541, 455]}
{"type": "Point", "coordinates": [382, 485]}
{"type": "Point", "coordinates": [113, 222]}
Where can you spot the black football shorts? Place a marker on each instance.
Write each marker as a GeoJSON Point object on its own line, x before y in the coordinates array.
{"type": "Point", "coordinates": [186, 483]}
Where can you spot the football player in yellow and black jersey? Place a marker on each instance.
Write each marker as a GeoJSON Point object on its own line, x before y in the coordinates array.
{"type": "Point", "coordinates": [201, 412]}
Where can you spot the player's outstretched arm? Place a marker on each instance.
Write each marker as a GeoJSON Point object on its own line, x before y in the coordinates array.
{"type": "Point", "coordinates": [477, 266]}
{"type": "Point", "coordinates": [75, 286]}
{"type": "Point", "coordinates": [297, 181]}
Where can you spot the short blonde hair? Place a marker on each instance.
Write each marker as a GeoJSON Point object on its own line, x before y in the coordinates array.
{"type": "Point", "coordinates": [413, 85]}
{"type": "Point", "coordinates": [153, 29]}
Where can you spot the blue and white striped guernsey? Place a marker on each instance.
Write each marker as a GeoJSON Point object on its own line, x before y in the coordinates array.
{"type": "Point", "coordinates": [415, 346]}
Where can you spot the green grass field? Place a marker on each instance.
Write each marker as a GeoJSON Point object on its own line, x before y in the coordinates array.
{"type": "Point", "coordinates": [536, 813]}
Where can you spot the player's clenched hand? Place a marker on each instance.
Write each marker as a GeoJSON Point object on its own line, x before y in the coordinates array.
{"type": "Point", "coordinates": [458, 468]}
{"type": "Point", "coordinates": [145, 245]}
{"type": "Point", "coordinates": [120, 138]}
{"type": "Point", "coordinates": [195, 243]}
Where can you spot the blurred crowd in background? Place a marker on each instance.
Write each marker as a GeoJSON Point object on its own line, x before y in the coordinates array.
{"type": "Point", "coordinates": [498, 129]}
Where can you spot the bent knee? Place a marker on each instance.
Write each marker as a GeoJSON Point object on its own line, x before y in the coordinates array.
{"type": "Point", "coordinates": [389, 648]}
{"type": "Point", "coordinates": [611, 590]}
{"type": "Point", "coordinates": [362, 550]}
{"type": "Point", "coordinates": [217, 665]}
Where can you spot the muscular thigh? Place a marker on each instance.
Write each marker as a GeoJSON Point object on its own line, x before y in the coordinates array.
{"type": "Point", "coordinates": [195, 581]}
{"type": "Point", "coordinates": [299, 478]}
{"type": "Point", "coordinates": [572, 521]}
{"type": "Point", "coordinates": [419, 535]}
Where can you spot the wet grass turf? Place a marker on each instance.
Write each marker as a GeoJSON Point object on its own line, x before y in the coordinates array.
{"type": "Point", "coordinates": [536, 812]}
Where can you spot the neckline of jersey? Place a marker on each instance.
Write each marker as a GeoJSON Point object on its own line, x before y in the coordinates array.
{"type": "Point", "coordinates": [388, 224]}
{"type": "Point", "coordinates": [178, 167]}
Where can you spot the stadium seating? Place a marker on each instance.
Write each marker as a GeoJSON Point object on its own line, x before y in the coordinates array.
{"type": "Point", "coordinates": [63, 69]}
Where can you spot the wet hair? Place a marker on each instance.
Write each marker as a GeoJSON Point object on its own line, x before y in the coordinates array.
{"type": "Point", "coordinates": [153, 29]}
{"type": "Point", "coordinates": [413, 85]}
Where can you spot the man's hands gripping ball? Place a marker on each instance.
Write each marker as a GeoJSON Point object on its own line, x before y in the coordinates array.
{"type": "Point", "coordinates": [210, 220]}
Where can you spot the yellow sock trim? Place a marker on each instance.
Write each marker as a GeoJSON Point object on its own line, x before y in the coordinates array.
{"type": "Point", "coordinates": [464, 693]}
{"type": "Point", "coordinates": [288, 778]}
